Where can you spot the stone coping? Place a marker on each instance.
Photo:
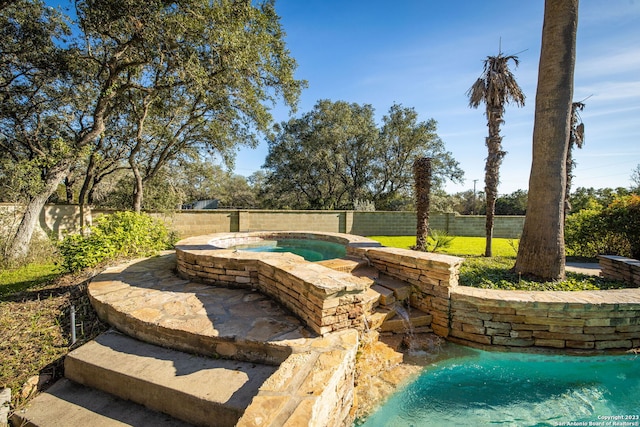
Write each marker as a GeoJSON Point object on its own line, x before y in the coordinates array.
{"type": "Point", "coordinates": [314, 379]}
{"type": "Point", "coordinates": [620, 268]}
{"type": "Point", "coordinates": [355, 245]}
{"type": "Point", "coordinates": [499, 319]}
{"type": "Point", "coordinates": [561, 300]}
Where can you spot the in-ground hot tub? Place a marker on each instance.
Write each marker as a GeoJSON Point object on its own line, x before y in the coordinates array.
{"type": "Point", "coordinates": [324, 298]}
{"type": "Point", "coordinates": [312, 246]}
{"type": "Point", "coordinates": [310, 249]}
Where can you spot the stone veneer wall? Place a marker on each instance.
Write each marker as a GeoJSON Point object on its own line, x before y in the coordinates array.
{"type": "Point", "coordinates": [313, 388]}
{"type": "Point", "coordinates": [583, 320]}
{"type": "Point", "coordinates": [432, 276]}
{"type": "Point", "coordinates": [620, 268]}
{"type": "Point", "coordinates": [329, 300]}
{"type": "Point", "coordinates": [325, 299]}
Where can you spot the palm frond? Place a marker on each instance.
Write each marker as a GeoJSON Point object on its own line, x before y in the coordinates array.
{"type": "Point", "coordinates": [497, 85]}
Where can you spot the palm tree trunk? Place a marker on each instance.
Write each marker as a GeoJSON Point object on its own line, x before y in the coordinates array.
{"type": "Point", "coordinates": [492, 172]}
{"type": "Point", "coordinates": [541, 250]}
{"type": "Point", "coordinates": [422, 176]}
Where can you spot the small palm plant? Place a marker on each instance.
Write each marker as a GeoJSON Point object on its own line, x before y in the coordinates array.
{"type": "Point", "coordinates": [495, 88]}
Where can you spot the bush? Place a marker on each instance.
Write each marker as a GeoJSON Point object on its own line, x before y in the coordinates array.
{"type": "Point", "coordinates": [623, 217]}
{"type": "Point", "coordinates": [614, 230]}
{"type": "Point", "coordinates": [114, 236]}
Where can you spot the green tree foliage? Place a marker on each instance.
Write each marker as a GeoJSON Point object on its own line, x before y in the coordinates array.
{"type": "Point", "coordinates": [180, 182]}
{"type": "Point", "coordinates": [587, 234]}
{"type": "Point", "coordinates": [512, 204]}
{"type": "Point", "coordinates": [585, 198]}
{"type": "Point", "coordinates": [612, 229]}
{"type": "Point", "coordinates": [36, 145]}
{"type": "Point", "coordinates": [154, 76]}
{"type": "Point", "coordinates": [635, 179]}
{"type": "Point", "coordinates": [623, 216]}
{"type": "Point", "coordinates": [468, 203]}
{"type": "Point", "coordinates": [114, 236]}
{"type": "Point", "coordinates": [335, 155]}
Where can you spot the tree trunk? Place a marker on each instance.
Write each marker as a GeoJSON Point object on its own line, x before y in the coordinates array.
{"type": "Point", "coordinates": [138, 187]}
{"type": "Point", "coordinates": [422, 173]}
{"type": "Point", "coordinates": [492, 171]}
{"type": "Point", "coordinates": [541, 250]}
{"type": "Point", "coordinates": [68, 187]}
{"type": "Point", "coordinates": [19, 247]}
{"type": "Point", "coordinates": [82, 197]}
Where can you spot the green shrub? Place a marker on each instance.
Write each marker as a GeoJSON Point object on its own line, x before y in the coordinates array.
{"type": "Point", "coordinates": [113, 236]}
{"type": "Point", "coordinates": [622, 216]}
{"type": "Point", "coordinates": [613, 230]}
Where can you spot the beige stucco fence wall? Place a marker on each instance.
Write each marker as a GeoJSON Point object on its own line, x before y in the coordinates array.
{"type": "Point", "coordinates": [57, 219]}
{"type": "Point", "coordinates": [192, 223]}
{"type": "Point", "coordinates": [54, 220]}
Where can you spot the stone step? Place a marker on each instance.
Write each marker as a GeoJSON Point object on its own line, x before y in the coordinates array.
{"type": "Point", "coordinates": [194, 389]}
{"type": "Point", "coordinates": [390, 290]}
{"type": "Point", "coordinates": [385, 296]}
{"type": "Point", "coordinates": [346, 264]}
{"type": "Point", "coordinates": [394, 322]}
{"type": "Point", "coordinates": [66, 403]}
{"type": "Point", "coordinates": [401, 289]}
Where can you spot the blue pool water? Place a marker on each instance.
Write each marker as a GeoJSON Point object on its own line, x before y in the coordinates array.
{"type": "Point", "coordinates": [478, 388]}
{"type": "Point", "coordinates": [311, 250]}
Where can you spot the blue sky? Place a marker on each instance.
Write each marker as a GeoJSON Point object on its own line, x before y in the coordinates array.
{"type": "Point", "coordinates": [426, 54]}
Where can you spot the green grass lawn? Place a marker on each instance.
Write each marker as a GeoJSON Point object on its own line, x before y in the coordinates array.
{"type": "Point", "coordinates": [460, 246]}
{"type": "Point", "coordinates": [29, 276]}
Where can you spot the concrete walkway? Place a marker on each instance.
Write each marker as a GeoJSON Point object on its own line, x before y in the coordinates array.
{"type": "Point", "coordinates": [588, 268]}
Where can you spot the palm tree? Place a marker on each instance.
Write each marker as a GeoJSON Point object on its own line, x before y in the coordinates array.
{"type": "Point", "coordinates": [576, 138]}
{"type": "Point", "coordinates": [496, 87]}
{"type": "Point", "coordinates": [635, 179]}
{"type": "Point", "coordinates": [422, 176]}
{"type": "Point", "coordinates": [541, 249]}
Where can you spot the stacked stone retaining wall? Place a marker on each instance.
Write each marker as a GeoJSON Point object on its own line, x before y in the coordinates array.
{"type": "Point", "coordinates": [583, 320]}
{"type": "Point", "coordinates": [620, 268]}
{"type": "Point", "coordinates": [325, 299]}
{"type": "Point", "coordinates": [486, 318]}
{"type": "Point", "coordinates": [313, 388]}
{"type": "Point", "coordinates": [432, 277]}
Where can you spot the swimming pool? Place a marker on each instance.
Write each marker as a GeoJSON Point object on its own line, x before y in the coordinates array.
{"type": "Point", "coordinates": [470, 387]}
{"type": "Point", "coordinates": [309, 249]}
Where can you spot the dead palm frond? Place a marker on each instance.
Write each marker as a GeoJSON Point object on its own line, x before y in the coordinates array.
{"type": "Point", "coordinates": [497, 85]}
